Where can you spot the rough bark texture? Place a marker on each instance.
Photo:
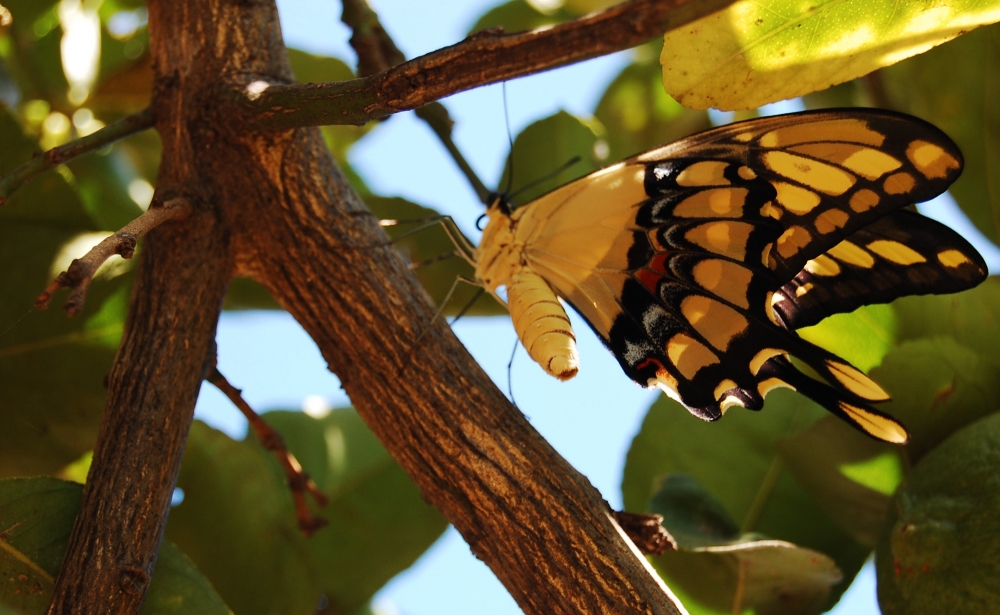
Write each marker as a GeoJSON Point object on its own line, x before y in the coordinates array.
{"type": "Point", "coordinates": [276, 208]}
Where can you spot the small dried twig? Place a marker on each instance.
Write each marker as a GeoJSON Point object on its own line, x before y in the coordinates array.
{"type": "Point", "coordinates": [377, 53]}
{"type": "Point", "coordinates": [647, 532]}
{"type": "Point", "coordinates": [81, 271]}
{"type": "Point", "coordinates": [298, 480]}
{"type": "Point", "coordinates": [58, 155]}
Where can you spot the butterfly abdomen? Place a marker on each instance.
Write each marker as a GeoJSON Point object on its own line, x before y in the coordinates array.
{"type": "Point", "coordinates": [542, 324]}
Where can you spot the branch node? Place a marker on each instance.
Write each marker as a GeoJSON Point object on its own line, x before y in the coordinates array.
{"type": "Point", "coordinates": [646, 531]}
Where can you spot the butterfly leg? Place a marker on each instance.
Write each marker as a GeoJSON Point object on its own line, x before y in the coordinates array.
{"type": "Point", "coordinates": [463, 248]}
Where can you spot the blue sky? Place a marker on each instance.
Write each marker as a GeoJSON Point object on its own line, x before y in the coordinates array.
{"type": "Point", "coordinates": [589, 420]}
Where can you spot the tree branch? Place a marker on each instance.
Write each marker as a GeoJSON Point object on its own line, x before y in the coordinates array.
{"type": "Point", "coordinates": [481, 59]}
{"type": "Point", "coordinates": [58, 155]}
{"type": "Point", "coordinates": [81, 271]}
{"type": "Point", "coordinates": [376, 53]}
{"type": "Point", "coordinates": [298, 481]}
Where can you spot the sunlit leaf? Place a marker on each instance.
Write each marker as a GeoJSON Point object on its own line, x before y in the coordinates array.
{"type": "Point", "coordinates": [943, 553]}
{"type": "Point", "coordinates": [757, 52]}
{"type": "Point", "coordinates": [738, 460]}
{"type": "Point", "coordinates": [937, 386]}
{"type": "Point", "coordinates": [237, 521]}
{"type": "Point", "coordinates": [638, 115]}
{"type": "Point", "coordinates": [862, 337]}
{"type": "Point", "coordinates": [957, 88]}
{"type": "Point", "coordinates": [748, 570]}
{"type": "Point", "coordinates": [850, 475]}
{"type": "Point", "coordinates": [36, 516]}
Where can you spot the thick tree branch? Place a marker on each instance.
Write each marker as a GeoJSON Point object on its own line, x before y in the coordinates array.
{"type": "Point", "coordinates": [68, 151]}
{"type": "Point", "coordinates": [479, 60]}
{"type": "Point", "coordinates": [152, 387]}
{"type": "Point", "coordinates": [298, 481]}
{"type": "Point", "coordinates": [81, 271]}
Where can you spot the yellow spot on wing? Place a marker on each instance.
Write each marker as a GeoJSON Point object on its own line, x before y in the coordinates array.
{"type": "Point", "coordinates": [792, 240]}
{"type": "Point", "coordinates": [899, 183]}
{"type": "Point", "coordinates": [953, 258]}
{"type": "Point", "coordinates": [823, 265]}
{"type": "Point", "coordinates": [878, 426]}
{"type": "Point", "coordinates": [724, 386]}
{"type": "Point", "coordinates": [771, 210]}
{"type": "Point", "coordinates": [896, 252]}
{"type": "Point", "coordinates": [747, 173]}
{"type": "Point", "coordinates": [805, 288]}
{"type": "Point", "coordinates": [766, 386]}
{"type": "Point", "coordinates": [689, 355]}
{"type": "Point", "coordinates": [852, 130]}
{"type": "Point", "coordinates": [744, 137]}
{"type": "Point", "coordinates": [830, 220]}
{"type": "Point", "coordinates": [716, 322]}
{"type": "Point", "coordinates": [931, 160]}
{"type": "Point", "coordinates": [851, 254]}
{"type": "Point", "coordinates": [863, 200]}
{"type": "Point", "coordinates": [856, 381]}
{"type": "Point", "coordinates": [796, 199]}
{"type": "Point", "coordinates": [867, 162]}
{"type": "Point", "coordinates": [725, 279]}
{"type": "Point", "coordinates": [762, 357]}
{"type": "Point", "coordinates": [817, 175]}
{"type": "Point", "coordinates": [769, 302]}
{"type": "Point", "coordinates": [715, 203]}
{"type": "Point", "coordinates": [704, 173]}
{"type": "Point", "coordinates": [723, 238]}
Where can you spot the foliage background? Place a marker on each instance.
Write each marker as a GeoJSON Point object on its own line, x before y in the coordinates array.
{"type": "Point", "coordinates": [591, 420]}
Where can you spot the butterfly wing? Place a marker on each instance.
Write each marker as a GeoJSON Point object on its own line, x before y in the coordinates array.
{"type": "Point", "coordinates": [676, 257]}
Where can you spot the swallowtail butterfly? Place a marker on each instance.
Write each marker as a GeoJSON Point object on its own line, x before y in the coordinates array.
{"type": "Point", "coordinates": [696, 262]}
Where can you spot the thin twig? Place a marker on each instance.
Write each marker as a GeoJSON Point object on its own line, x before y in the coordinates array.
{"type": "Point", "coordinates": [481, 59]}
{"type": "Point", "coordinates": [81, 271]}
{"type": "Point", "coordinates": [298, 480]}
{"type": "Point", "coordinates": [377, 53]}
{"type": "Point", "coordinates": [58, 155]}
{"type": "Point", "coordinates": [646, 532]}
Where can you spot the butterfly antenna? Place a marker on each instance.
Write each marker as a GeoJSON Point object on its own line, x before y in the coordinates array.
{"type": "Point", "coordinates": [510, 380]}
{"type": "Point", "coordinates": [566, 165]}
{"type": "Point", "coordinates": [510, 140]}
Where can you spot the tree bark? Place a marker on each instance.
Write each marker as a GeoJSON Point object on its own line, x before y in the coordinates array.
{"type": "Point", "coordinates": [276, 208]}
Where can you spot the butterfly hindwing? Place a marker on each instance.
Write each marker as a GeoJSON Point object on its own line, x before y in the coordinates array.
{"type": "Point", "coordinates": [900, 254]}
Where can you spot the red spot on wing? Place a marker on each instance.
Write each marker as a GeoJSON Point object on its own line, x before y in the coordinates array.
{"type": "Point", "coordinates": [651, 361]}
{"type": "Point", "coordinates": [649, 279]}
{"type": "Point", "coordinates": [659, 263]}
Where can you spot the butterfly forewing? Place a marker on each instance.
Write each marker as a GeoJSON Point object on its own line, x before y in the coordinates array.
{"type": "Point", "coordinates": [688, 261]}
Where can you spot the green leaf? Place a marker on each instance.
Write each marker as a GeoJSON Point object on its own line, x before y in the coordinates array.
{"type": "Point", "coordinates": [849, 475]}
{"type": "Point", "coordinates": [758, 52]}
{"type": "Point", "coordinates": [862, 337]}
{"type": "Point", "coordinates": [52, 367]}
{"type": "Point", "coordinates": [747, 571]}
{"type": "Point", "coordinates": [943, 552]}
{"type": "Point", "coordinates": [518, 16]}
{"type": "Point", "coordinates": [246, 294]}
{"type": "Point", "coordinates": [237, 521]}
{"type": "Point", "coordinates": [428, 244]}
{"type": "Point", "coordinates": [545, 147]}
{"type": "Point", "coordinates": [971, 317]}
{"type": "Point", "coordinates": [36, 517]}
{"type": "Point", "coordinates": [739, 461]}
{"type": "Point", "coordinates": [937, 386]}
{"type": "Point", "coordinates": [957, 88]}
{"type": "Point", "coordinates": [638, 115]}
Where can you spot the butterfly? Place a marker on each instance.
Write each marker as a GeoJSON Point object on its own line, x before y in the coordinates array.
{"type": "Point", "coordinates": [695, 262]}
